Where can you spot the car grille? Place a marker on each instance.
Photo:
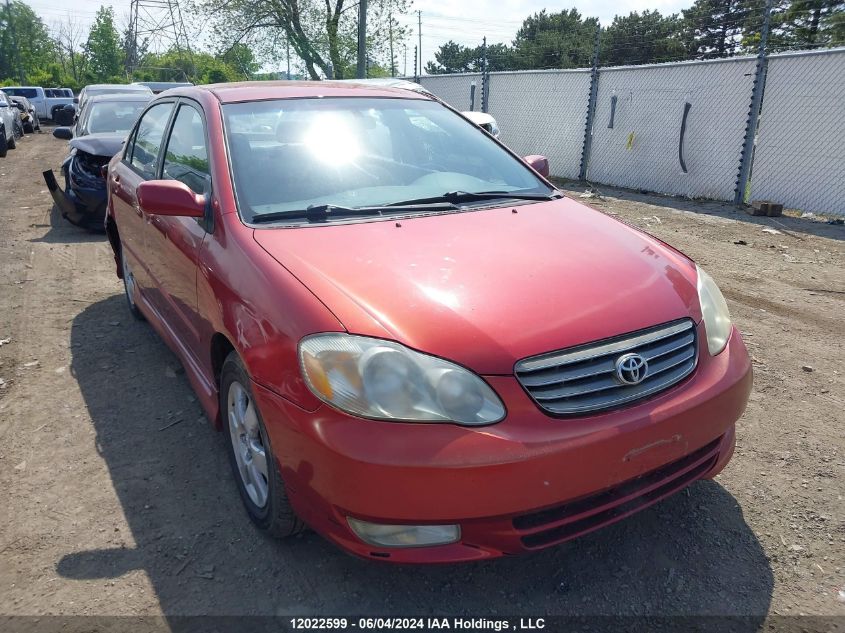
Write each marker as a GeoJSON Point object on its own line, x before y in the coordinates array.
{"type": "Point", "coordinates": [583, 379]}
{"type": "Point", "coordinates": [577, 517]}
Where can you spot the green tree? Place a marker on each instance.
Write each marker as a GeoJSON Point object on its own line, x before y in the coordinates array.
{"type": "Point", "coordinates": [642, 38]}
{"type": "Point", "coordinates": [177, 65]}
{"type": "Point", "coordinates": [555, 40]}
{"type": "Point", "coordinates": [25, 45]}
{"type": "Point", "coordinates": [808, 24]}
{"type": "Point", "coordinates": [103, 50]}
{"type": "Point", "coordinates": [322, 33]}
{"type": "Point", "coordinates": [241, 58]}
{"type": "Point", "coordinates": [715, 28]}
{"type": "Point", "coordinates": [455, 58]}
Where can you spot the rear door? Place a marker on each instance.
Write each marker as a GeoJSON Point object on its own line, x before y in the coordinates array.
{"type": "Point", "coordinates": [173, 243]}
{"type": "Point", "coordinates": [141, 161]}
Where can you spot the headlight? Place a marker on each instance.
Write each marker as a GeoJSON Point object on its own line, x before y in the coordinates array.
{"type": "Point", "coordinates": [381, 379]}
{"type": "Point", "coordinates": [714, 310]}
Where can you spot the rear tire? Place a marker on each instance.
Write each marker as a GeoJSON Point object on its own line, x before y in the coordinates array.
{"type": "Point", "coordinates": [254, 465]}
{"type": "Point", "coordinates": [130, 288]}
{"type": "Point", "coordinates": [4, 145]}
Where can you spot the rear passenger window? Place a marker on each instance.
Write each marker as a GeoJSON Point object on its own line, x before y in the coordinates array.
{"type": "Point", "coordinates": [186, 157]}
{"type": "Point", "coordinates": [143, 155]}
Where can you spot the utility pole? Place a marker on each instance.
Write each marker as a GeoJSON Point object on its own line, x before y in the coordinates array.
{"type": "Point", "coordinates": [754, 112]}
{"type": "Point", "coordinates": [419, 34]}
{"type": "Point", "coordinates": [587, 147]}
{"type": "Point", "coordinates": [485, 77]}
{"type": "Point", "coordinates": [14, 41]}
{"type": "Point", "coordinates": [392, 60]}
{"type": "Point", "coordinates": [405, 70]}
{"type": "Point", "coordinates": [416, 76]}
{"type": "Point", "coordinates": [362, 39]}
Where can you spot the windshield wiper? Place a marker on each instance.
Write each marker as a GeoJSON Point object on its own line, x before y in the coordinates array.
{"type": "Point", "coordinates": [328, 212]}
{"type": "Point", "coordinates": [456, 197]}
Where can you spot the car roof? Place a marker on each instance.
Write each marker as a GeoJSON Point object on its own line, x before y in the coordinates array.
{"type": "Point", "coordinates": [121, 96]}
{"type": "Point", "coordinates": [116, 87]}
{"type": "Point", "coordinates": [161, 86]}
{"type": "Point", "coordinates": [264, 90]}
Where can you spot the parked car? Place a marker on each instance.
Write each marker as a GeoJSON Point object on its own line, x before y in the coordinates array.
{"type": "Point", "coordinates": [413, 341]}
{"type": "Point", "coordinates": [481, 119]}
{"type": "Point", "coordinates": [29, 116]}
{"type": "Point", "coordinates": [94, 90]}
{"type": "Point", "coordinates": [160, 86]}
{"type": "Point", "coordinates": [97, 135]}
{"type": "Point", "coordinates": [45, 106]}
{"type": "Point", "coordinates": [8, 123]}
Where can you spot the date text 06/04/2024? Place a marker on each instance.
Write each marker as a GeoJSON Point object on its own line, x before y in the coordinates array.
{"type": "Point", "coordinates": [409, 624]}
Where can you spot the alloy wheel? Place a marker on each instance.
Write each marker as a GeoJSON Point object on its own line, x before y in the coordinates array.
{"type": "Point", "coordinates": [248, 444]}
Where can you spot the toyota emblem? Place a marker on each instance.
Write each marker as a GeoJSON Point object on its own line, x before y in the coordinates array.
{"type": "Point", "coordinates": [631, 369]}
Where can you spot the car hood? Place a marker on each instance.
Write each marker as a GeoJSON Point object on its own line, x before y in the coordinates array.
{"type": "Point", "coordinates": [486, 288]}
{"type": "Point", "coordinates": [99, 144]}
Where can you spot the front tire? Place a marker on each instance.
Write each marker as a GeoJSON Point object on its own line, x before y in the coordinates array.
{"type": "Point", "coordinates": [4, 145]}
{"type": "Point", "coordinates": [13, 143]}
{"type": "Point", "coordinates": [255, 468]}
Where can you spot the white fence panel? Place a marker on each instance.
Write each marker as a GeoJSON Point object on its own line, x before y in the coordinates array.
{"type": "Point", "coordinates": [799, 159]}
{"type": "Point", "coordinates": [543, 112]}
{"type": "Point", "coordinates": [454, 89]}
{"type": "Point", "coordinates": [641, 149]}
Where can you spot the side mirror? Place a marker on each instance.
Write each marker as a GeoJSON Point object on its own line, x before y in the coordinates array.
{"type": "Point", "coordinates": [170, 197]}
{"type": "Point", "coordinates": [538, 163]}
{"type": "Point", "coordinates": [20, 107]}
{"type": "Point", "coordinates": [64, 133]}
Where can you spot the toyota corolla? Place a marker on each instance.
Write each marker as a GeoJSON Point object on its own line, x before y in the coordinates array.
{"type": "Point", "coordinates": [412, 341]}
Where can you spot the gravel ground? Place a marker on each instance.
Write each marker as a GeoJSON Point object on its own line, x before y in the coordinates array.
{"type": "Point", "coordinates": [116, 496]}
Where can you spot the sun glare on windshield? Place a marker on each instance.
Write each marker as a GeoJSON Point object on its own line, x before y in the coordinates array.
{"type": "Point", "coordinates": [331, 140]}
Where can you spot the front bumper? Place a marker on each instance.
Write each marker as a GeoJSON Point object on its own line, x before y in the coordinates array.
{"type": "Point", "coordinates": [82, 206]}
{"type": "Point", "coordinates": [528, 482]}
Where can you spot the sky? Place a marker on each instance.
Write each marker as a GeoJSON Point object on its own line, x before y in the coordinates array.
{"type": "Point", "coordinates": [463, 21]}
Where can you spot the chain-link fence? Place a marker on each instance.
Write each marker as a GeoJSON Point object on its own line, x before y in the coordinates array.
{"type": "Point", "coordinates": [727, 127]}
{"type": "Point", "coordinates": [799, 156]}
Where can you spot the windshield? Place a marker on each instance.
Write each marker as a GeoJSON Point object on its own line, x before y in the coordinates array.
{"type": "Point", "coordinates": [291, 154]}
{"type": "Point", "coordinates": [112, 117]}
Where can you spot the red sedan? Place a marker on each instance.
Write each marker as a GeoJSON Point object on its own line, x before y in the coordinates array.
{"type": "Point", "coordinates": [416, 345]}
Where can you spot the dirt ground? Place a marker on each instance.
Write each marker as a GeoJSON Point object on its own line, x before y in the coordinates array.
{"type": "Point", "coordinates": [116, 496]}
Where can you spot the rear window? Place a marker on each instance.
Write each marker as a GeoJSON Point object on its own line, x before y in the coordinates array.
{"type": "Point", "coordinates": [29, 93]}
{"type": "Point", "coordinates": [113, 117]}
